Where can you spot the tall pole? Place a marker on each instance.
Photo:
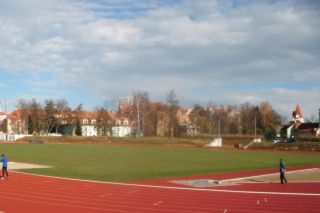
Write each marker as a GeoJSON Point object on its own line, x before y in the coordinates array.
{"type": "Point", "coordinates": [255, 127]}
{"type": "Point", "coordinates": [219, 128]}
{"type": "Point", "coordinates": [210, 118]}
{"type": "Point", "coordinates": [319, 117]}
{"type": "Point", "coordinates": [5, 105]}
{"type": "Point", "coordinates": [138, 114]}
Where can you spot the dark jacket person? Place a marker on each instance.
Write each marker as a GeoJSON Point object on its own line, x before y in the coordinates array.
{"type": "Point", "coordinates": [282, 169]}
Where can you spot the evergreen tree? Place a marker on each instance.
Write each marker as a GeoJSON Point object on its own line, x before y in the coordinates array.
{"type": "Point", "coordinates": [30, 125]}
{"type": "Point", "coordinates": [78, 128]}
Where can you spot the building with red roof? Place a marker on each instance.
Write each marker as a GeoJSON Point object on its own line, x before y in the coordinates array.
{"type": "Point", "coordinates": [298, 128]}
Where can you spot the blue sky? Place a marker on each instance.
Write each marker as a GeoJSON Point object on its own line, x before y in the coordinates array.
{"type": "Point", "coordinates": [225, 52]}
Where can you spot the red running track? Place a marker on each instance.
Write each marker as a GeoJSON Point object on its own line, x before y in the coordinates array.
{"type": "Point", "coordinates": [31, 193]}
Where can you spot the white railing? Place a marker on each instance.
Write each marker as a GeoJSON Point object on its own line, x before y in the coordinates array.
{"type": "Point", "coordinates": [11, 137]}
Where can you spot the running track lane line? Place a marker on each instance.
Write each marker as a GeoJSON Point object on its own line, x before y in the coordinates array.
{"type": "Point", "coordinates": [178, 188]}
{"type": "Point", "coordinates": [234, 205]}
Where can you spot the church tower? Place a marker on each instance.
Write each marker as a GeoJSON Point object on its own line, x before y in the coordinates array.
{"type": "Point", "coordinates": [298, 115]}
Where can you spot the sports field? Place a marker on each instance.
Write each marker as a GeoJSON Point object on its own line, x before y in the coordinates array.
{"type": "Point", "coordinates": [134, 163]}
{"type": "Point", "coordinates": [159, 179]}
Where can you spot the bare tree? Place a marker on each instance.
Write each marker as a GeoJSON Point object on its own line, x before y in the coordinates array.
{"type": "Point", "coordinates": [63, 112]}
{"type": "Point", "coordinates": [104, 122]}
{"type": "Point", "coordinates": [151, 118]}
{"type": "Point", "coordinates": [270, 119]}
{"type": "Point", "coordinates": [247, 117]}
{"type": "Point", "coordinates": [234, 120]}
{"type": "Point", "coordinates": [20, 118]}
{"type": "Point", "coordinates": [139, 111]}
{"type": "Point", "coordinates": [199, 118]}
{"type": "Point", "coordinates": [32, 117]}
{"type": "Point", "coordinates": [173, 106]}
{"type": "Point", "coordinates": [50, 115]}
{"type": "Point", "coordinates": [56, 112]}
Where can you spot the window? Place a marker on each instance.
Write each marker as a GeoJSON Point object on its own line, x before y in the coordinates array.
{"type": "Point", "coordinates": [93, 121]}
{"type": "Point", "coordinates": [118, 122]}
{"type": "Point", "coordinates": [85, 121]}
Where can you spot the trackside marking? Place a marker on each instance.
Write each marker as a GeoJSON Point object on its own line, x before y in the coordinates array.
{"type": "Point", "coordinates": [175, 188]}
{"type": "Point", "coordinates": [157, 203]}
{"type": "Point", "coordinates": [257, 176]}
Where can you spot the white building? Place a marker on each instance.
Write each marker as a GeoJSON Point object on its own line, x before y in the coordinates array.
{"type": "Point", "coordinates": [122, 128]}
{"type": "Point", "coordinates": [88, 124]}
{"type": "Point", "coordinates": [88, 127]}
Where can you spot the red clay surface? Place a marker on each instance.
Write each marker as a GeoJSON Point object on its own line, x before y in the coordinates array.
{"type": "Point", "coordinates": [31, 193]}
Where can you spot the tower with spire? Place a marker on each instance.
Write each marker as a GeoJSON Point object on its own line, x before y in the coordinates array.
{"type": "Point", "coordinates": [297, 115]}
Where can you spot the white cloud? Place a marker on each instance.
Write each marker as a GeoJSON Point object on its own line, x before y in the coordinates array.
{"type": "Point", "coordinates": [196, 47]}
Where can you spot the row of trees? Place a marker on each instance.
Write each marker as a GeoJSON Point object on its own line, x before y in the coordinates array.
{"type": "Point", "coordinates": [246, 119]}
{"type": "Point", "coordinates": [48, 117]}
{"type": "Point", "coordinates": [146, 117]}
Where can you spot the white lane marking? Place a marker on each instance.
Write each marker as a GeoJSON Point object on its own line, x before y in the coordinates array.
{"type": "Point", "coordinates": [257, 176]}
{"type": "Point", "coordinates": [133, 191]}
{"type": "Point", "coordinates": [105, 195]}
{"type": "Point", "coordinates": [157, 203]}
{"type": "Point", "coordinates": [176, 188]}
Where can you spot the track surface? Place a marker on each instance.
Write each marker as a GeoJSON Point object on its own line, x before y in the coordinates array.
{"type": "Point", "coordinates": [31, 193]}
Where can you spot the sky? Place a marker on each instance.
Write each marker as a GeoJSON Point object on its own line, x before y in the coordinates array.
{"type": "Point", "coordinates": [223, 51]}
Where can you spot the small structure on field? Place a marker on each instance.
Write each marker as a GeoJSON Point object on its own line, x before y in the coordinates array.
{"type": "Point", "coordinates": [217, 142]}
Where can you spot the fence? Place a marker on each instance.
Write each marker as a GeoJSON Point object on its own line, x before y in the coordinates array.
{"type": "Point", "coordinates": [11, 137]}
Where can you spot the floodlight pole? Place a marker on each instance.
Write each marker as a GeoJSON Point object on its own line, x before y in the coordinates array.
{"type": "Point", "coordinates": [255, 127]}
{"type": "Point", "coordinates": [5, 105]}
{"type": "Point", "coordinates": [219, 128]}
{"type": "Point", "coordinates": [319, 117]}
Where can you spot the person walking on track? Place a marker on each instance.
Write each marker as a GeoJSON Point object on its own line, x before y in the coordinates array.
{"type": "Point", "coordinates": [4, 160]}
{"type": "Point", "coordinates": [282, 169]}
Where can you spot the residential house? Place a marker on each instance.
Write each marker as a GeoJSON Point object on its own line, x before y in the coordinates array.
{"type": "Point", "coordinates": [122, 127]}
{"type": "Point", "coordinates": [88, 124]}
{"type": "Point", "coordinates": [298, 128]}
{"type": "Point", "coordinates": [16, 124]}
{"type": "Point", "coordinates": [163, 122]}
{"type": "Point", "coordinates": [308, 130]}
{"type": "Point", "coordinates": [183, 119]}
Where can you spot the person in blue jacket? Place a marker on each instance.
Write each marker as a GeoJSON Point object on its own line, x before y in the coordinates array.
{"type": "Point", "coordinates": [4, 160]}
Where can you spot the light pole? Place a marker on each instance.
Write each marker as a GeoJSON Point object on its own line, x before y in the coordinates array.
{"type": "Point", "coordinates": [219, 127]}
{"type": "Point", "coordinates": [319, 117]}
{"type": "Point", "coordinates": [5, 105]}
{"type": "Point", "coordinates": [255, 127]}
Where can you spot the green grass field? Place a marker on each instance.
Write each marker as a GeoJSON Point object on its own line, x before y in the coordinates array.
{"type": "Point", "coordinates": [130, 163]}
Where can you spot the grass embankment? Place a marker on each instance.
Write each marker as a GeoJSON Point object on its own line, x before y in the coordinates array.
{"type": "Point", "coordinates": [298, 146]}
{"type": "Point", "coordinates": [154, 141]}
{"type": "Point", "coordinates": [130, 163]}
{"type": "Point", "coordinates": [228, 141]}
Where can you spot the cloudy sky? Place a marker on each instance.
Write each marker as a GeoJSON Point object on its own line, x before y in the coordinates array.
{"type": "Point", "coordinates": [225, 51]}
